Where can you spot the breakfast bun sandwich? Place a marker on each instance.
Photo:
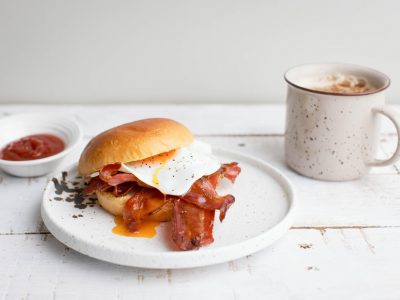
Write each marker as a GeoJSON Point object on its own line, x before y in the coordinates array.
{"type": "Point", "coordinates": [153, 170]}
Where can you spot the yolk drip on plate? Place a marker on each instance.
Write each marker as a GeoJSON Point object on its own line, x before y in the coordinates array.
{"type": "Point", "coordinates": [147, 228]}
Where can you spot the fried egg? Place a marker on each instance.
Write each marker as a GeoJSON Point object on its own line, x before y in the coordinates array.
{"type": "Point", "coordinates": [174, 172]}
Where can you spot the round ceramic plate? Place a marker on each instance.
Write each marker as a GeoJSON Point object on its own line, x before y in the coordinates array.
{"type": "Point", "coordinates": [262, 212]}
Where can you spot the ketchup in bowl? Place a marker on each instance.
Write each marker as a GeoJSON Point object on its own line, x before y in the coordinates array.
{"type": "Point", "coordinates": [32, 147]}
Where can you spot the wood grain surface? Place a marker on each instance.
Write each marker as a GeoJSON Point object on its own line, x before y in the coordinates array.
{"type": "Point", "coordinates": [345, 242]}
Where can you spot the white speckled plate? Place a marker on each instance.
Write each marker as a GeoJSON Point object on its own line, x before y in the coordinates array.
{"type": "Point", "coordinates": [262, 213]}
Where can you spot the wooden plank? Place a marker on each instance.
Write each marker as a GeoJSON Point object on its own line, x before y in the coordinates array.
{"type": "Point", "coordinates": [372, 201]}
{"type": "Point", "coordinates": [201, 119]}
{"type": "Point", "coordinates": [206, 119]}
{"type": "Point", "coordinates": [388, 145]}
{"type": "Point", "coordinates": [305, 264]}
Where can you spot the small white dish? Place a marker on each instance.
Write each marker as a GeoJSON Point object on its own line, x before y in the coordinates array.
{"type": "Point", "coordinates": [262, 213]}
{"type": "Point", "coordinates": [20, 125]}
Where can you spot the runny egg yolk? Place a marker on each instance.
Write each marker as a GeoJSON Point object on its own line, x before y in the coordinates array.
{"type": "Point", "coordinates": [162, 160]}
{"type": "Point", "coordinates": [155, 174]}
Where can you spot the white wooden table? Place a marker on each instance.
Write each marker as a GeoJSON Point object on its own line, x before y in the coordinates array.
{"type": "Point", "coordinates": [345, 243]}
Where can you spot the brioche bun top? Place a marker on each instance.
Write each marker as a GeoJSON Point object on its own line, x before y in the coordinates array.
{"type": "Point", "coordinates": [133, 141]}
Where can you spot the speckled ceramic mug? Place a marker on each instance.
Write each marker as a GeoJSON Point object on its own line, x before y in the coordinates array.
{"type": "Point", "coordinates": [333, 136]}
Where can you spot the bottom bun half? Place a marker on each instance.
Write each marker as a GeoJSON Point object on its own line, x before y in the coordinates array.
{"type": "Point", "coordinates": [158, 209]}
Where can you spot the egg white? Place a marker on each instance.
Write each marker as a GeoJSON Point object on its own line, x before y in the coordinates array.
{"type": "Point", "coordinates": [177, 174]}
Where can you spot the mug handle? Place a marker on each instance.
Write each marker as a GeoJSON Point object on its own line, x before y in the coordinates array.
{"type": "Point", "coordinates": [393, 116]}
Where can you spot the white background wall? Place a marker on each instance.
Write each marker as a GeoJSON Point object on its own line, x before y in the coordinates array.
{"type": "Point", "coordinates": [91, 51]}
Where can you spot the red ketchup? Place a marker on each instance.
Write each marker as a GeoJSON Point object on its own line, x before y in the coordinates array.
{"type": "Point", "coordinates": [32, 147]}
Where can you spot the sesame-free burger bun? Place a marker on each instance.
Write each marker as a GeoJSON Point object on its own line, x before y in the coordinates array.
{"type": "Point", "coordinates": [114, 205]}
{"type": "Point", "coordinates": [133, 141]}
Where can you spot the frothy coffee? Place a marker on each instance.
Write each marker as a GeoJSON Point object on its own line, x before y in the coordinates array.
{"type": "Point", "coordinates": [339, 83]}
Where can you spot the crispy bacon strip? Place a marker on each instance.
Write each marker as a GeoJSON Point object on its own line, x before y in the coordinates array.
{"type": "Point", "coordinates": [133, 211]}
{"type": "Point", "coordinates": [95, 184]}
{"type": "Point", "coordinates": [191, 225]}
{"type": "Point", "coordinates": [138, 207]}
{"type": "Point", "coordinates": [229, 171]}
{"type": "Point", "coordinates": [123, 188]}
{"type": "Point", "coordinates": [109, 173]}
{"type": "Point", "coordinates": [203, 194]}
{"type": "Point", "coordinates": [110, 180]}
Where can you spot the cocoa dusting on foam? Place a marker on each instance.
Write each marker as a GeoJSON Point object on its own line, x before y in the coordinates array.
{"type": "Point", "coordinates": [72, 193]}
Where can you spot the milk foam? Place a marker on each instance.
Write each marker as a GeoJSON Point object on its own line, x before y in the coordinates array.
{"type": "Point", "coordinates": [338, 83]}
